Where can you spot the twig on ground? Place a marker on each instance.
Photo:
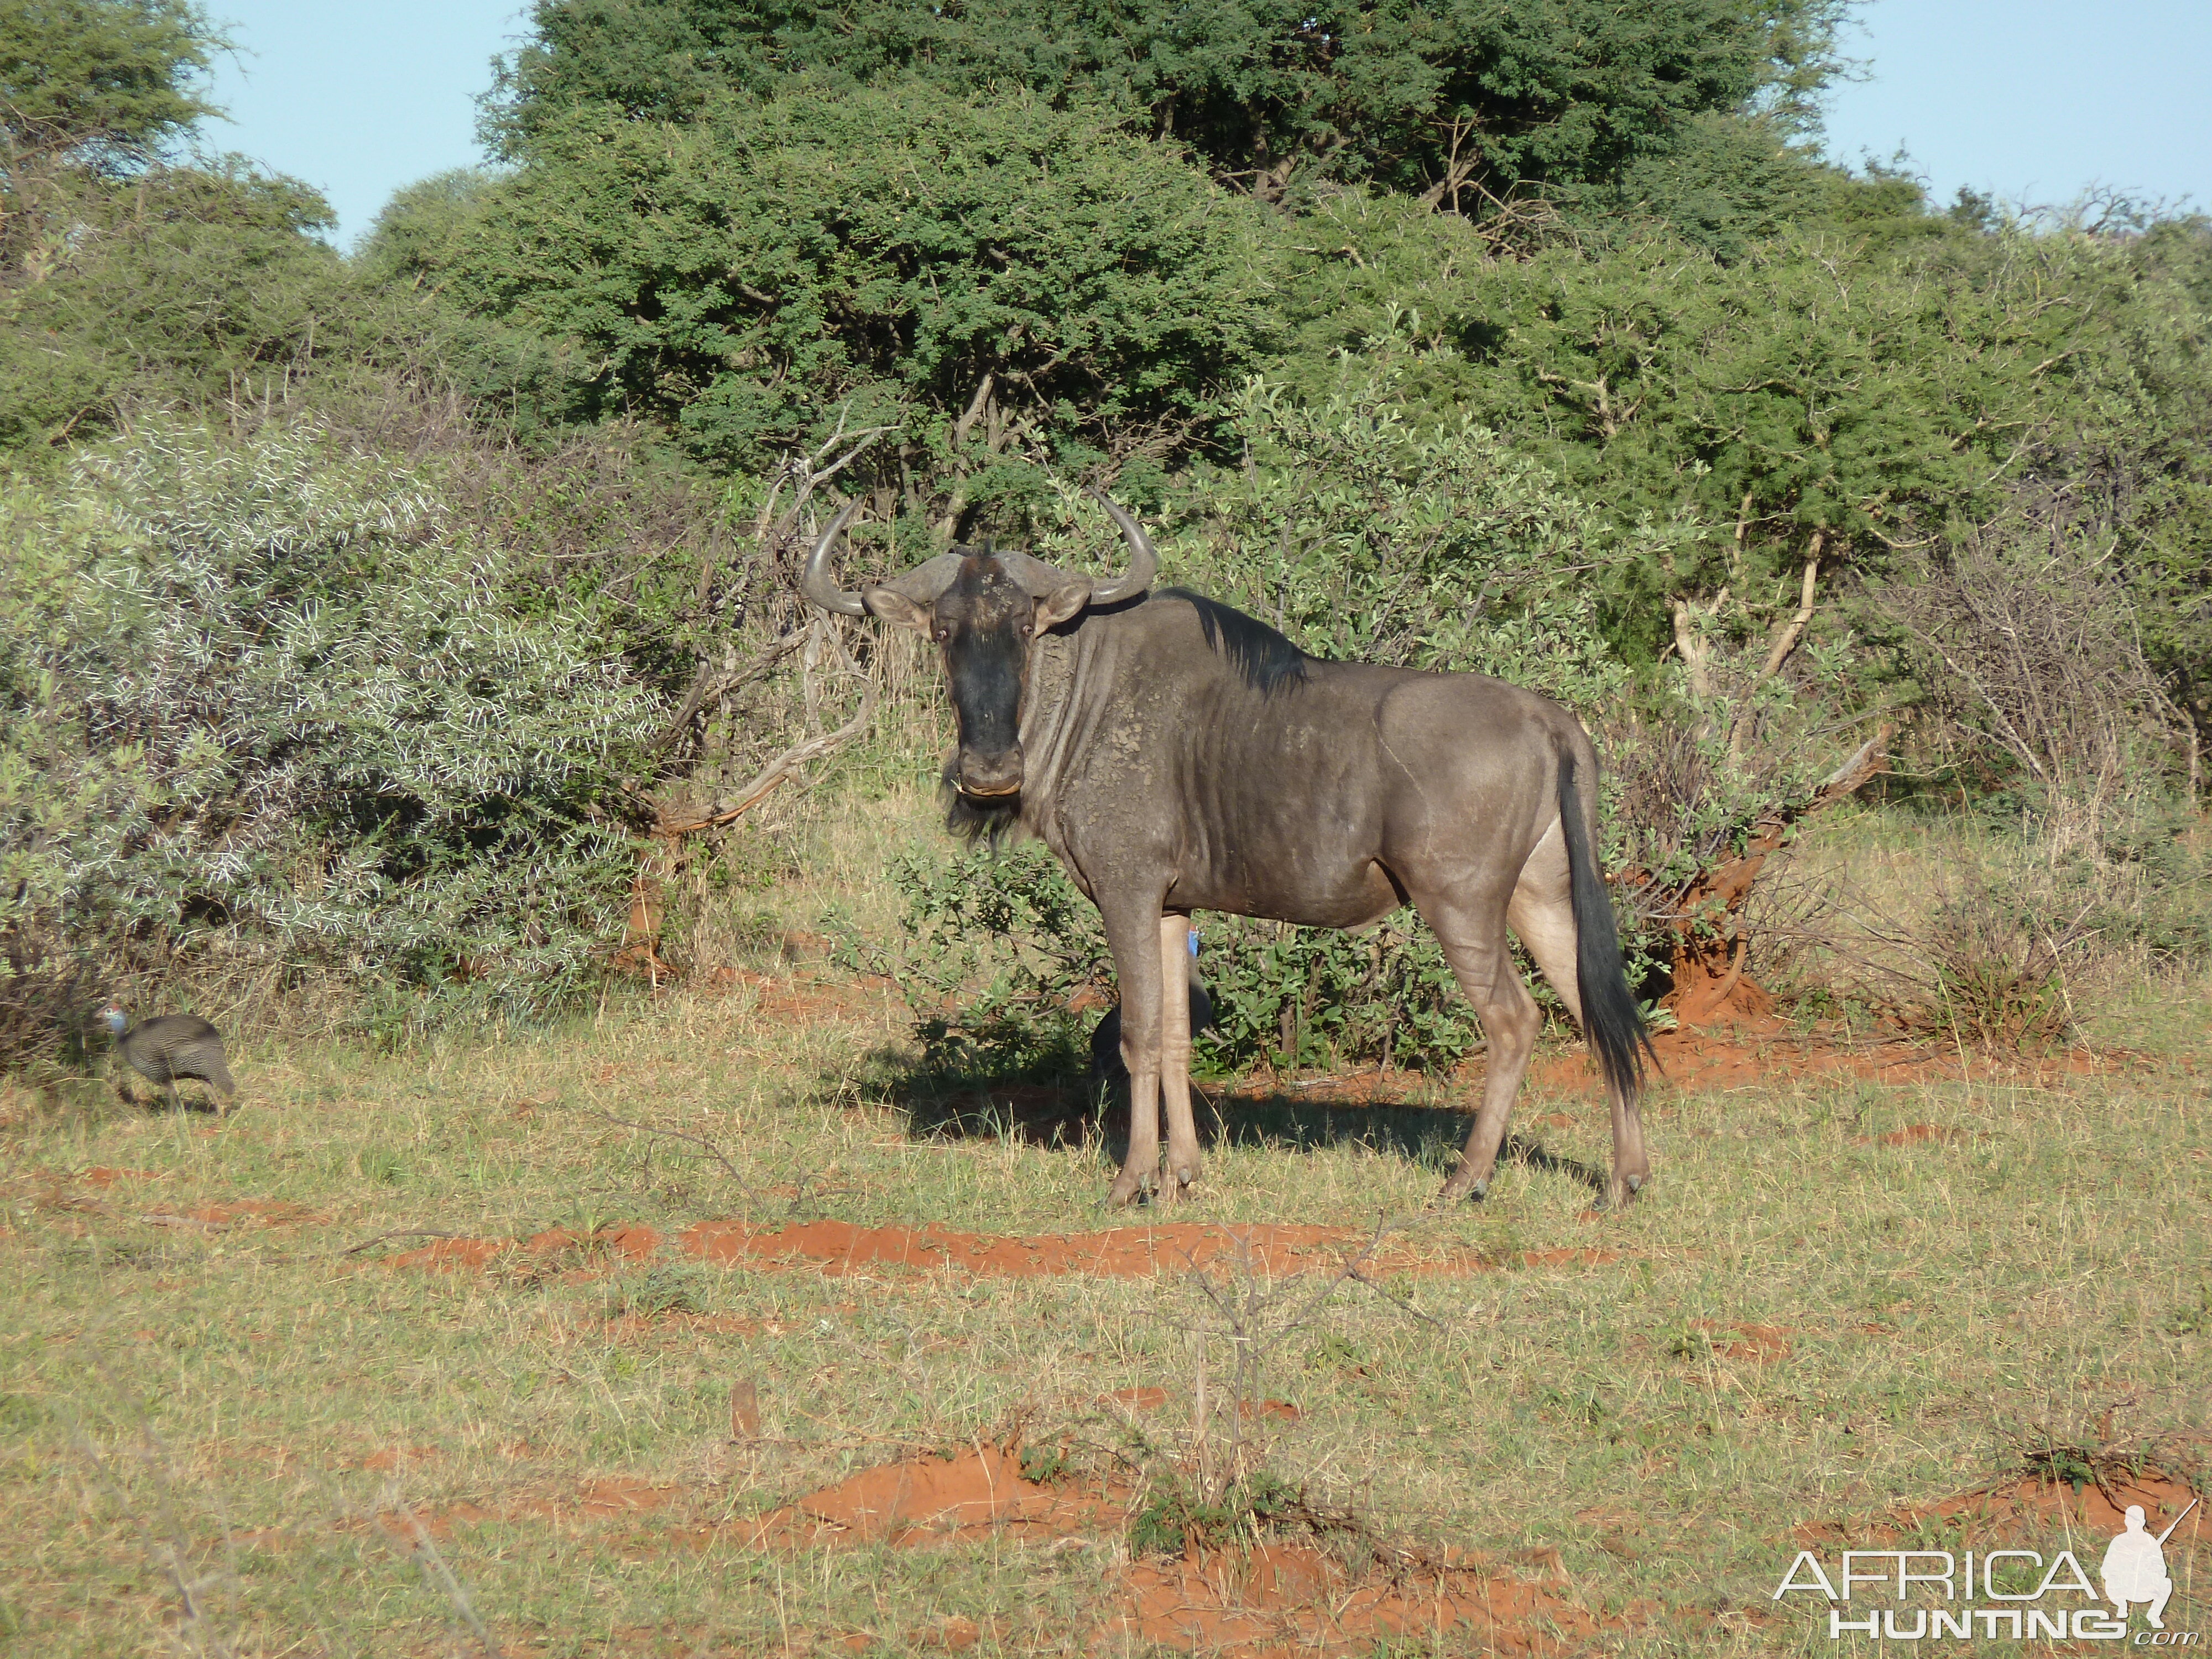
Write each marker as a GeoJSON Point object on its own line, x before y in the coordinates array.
{"type": "Point", "coordinates": [700, 1141]}
{"type": "Point", "coordinates": [168, 1553]}
{"type": "Point", "coordinates": [425, 1551]}
{"type": "Point", "coordinates": [399, 1232]}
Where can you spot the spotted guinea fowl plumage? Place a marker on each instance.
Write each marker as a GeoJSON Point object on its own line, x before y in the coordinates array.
{"type": "Point", "coordinates": [171, 1047]}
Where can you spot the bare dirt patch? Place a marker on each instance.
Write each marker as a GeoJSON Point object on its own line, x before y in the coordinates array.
{"type": "Point", "coordinates": [262, 1212]}
{"type": "Point", "coordinates": [933, 1500]}
{"type": "Point", "coordinates": [2022, 1507]}
{"type": "Point", "coordinates": [840, 1247]}
{"type": "Point", "coordinates": [1275, 1597]}
{"type": "Point", "coordinates": [101, 1174]}
{"type": "Point", "coordinates": [1762, 1049]}
{"type": "Point", "coordinates": [1746, 1341]}
{"type": "Point", "coordinates": [1289, 1598]}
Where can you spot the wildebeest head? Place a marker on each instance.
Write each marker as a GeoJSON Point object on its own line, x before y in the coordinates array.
{"type": "Point", "coordinates": [985, 609]}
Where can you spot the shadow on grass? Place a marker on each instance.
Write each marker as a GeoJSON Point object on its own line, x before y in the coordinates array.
{"type": "Point", "coordinates": [1060, 1109]}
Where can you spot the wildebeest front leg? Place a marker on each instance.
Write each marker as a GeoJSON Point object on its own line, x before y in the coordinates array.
{"type": "Point", "coordinates": [1475, 947]}
{"type": "Point", "coordinates": [1132, 934]}
{"type": "Point", "coordinates": [1174, 1055]}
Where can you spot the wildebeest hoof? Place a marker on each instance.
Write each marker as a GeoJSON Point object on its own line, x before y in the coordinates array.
{"type": "Point", "coordinates": [1636, 1183]}
{"type": "Point", "coordinates": [1128, 1189]}
{"type": "Point", "coordinates": [1455, 1190]}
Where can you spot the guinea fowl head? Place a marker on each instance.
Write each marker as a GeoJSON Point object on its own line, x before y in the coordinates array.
{"type": "Point", "coordinates": [116, 1020]}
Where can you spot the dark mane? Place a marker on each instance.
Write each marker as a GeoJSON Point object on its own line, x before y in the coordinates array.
{"type": "Point", "coordinates": [1268, 662]}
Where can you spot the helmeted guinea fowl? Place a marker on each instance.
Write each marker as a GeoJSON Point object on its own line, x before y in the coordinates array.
{"type": "Point", "coordinates": [168, 1046]}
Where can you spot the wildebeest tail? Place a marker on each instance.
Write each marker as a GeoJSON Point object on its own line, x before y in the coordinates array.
{"type": "Point", "coordinates": [1611, 1020]}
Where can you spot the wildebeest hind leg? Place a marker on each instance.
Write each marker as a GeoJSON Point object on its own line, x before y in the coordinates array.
{"type": "Point", "coordinates": [1542, 914]}
{"type": "Point", "coordinates": [1474, 945]}
{"type": "Point", "coordinates": [1174, 1055]}
{"type": "Point", "coordinates": [1132, 933]}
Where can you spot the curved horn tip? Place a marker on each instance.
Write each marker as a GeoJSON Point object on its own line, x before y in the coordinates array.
{"type": "Point", "coordinates": [814, 581]}
{"type": "Point", "coordinates": [1143, 559]}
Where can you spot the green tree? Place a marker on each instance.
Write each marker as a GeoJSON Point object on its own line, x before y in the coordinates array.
{"type": "Point", "coordinates": [988, 279]}
{"type": "Point", "coordinates": [128, 277]}
{"type": "Point", "coordinates": [182, 286]}
{"type": "Point", "coordinates": [1465, 102]}
{"type": "Point", "coordinates": [108, 82]}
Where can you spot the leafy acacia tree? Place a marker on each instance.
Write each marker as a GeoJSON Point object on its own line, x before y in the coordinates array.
{"type": "Point", "coordinates": [1455, 99]}
{"type": "Point", "coordinates": [126, 275]}
{"type": "Point", "coordinates": [988, 279]}
{"type": "Point", "coordinates": [109, 81]}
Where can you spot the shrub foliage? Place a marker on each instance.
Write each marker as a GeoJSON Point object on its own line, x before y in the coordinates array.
{"type": "Point", "coordinates": [266, 715]}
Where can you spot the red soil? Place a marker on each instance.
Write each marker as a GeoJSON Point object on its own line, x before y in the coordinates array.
{"type": "Point", "coordinates": [929, 1500]}
{"type": "Point", "coordinates": [2031, 1500]}
{"type": "Point", "coordinates": [1140, 1400]}
{"type": "Point", "coordinates": [100, 1175]}
{"type": "Point", "coordinates": [1761, 1048]}
{"type": "Point", "coordinates": [268, 1212]}
{"type": "Point", "coordinates": [2028, 1506]}
{"type": "Point", "coordinates": [840, 1247]}
{"type": "Point", "coordinates": [393, 1457]}
{"type": "Point", "coordinates": [1747, 1341]}
{"type": "Point", "coordinates": [443, 1255]}
{"type": "Point", "coordinates": [1285, 1599]}
{"type": "Point", "coordinates": [1278, 1598]}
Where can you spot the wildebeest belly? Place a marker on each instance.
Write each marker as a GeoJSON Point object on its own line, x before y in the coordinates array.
{"type": "Point", "coordinates": [1354, 897]}
{"type": "Point", "coordinates": [1283, 818]}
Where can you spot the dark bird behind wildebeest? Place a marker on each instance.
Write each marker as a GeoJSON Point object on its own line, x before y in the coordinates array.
{"type": "Point", "coordinates": [1178, 756]}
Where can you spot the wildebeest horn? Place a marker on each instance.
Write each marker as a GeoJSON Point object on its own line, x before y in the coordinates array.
{"type": "Point", "coordinates": [926, 581]}
{"type": "Point", "coordinates": [815, 582]}
{"type": "Point", "coordinates": [1144, 563]}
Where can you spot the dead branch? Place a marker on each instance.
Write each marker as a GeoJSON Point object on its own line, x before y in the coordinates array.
{"type": "Point", "coordinates": [769, 776]}
{"type": "Point", "coordinates": [1787, 635]}
{"type": "Point", "coordinates": [700, 1141]}
{"type": "Point", "coordinates": [398, 1232]}
{"type": "Point", "coordinates": [425, 1551]}
{"type": "Point", "coordinates": [708, 684]}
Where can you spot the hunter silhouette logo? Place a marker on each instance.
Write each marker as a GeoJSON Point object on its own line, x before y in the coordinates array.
{"type": "Point", "coordinates": [2135, 1567]}
{"type": "Point", "coordinates": [1984, 1593]}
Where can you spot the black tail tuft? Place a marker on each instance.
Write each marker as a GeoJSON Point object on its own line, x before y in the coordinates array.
{"type": "Point", "coordinates": [1611, 1020]}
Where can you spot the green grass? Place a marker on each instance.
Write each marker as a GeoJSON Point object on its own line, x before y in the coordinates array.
{"type": "Point", "coordinates": [219, 1393]}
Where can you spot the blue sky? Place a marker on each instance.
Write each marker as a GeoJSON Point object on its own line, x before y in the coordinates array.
{"type": "Point", "coordinates": [2032, 100]}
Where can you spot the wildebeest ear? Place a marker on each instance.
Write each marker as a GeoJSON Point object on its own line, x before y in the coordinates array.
{"type": "Point", "coordinates": [1057, 606]}
{"type": "Point", "coordinates": [892, 606]}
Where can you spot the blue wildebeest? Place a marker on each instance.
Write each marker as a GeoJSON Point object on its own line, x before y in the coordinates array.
{"type": "Point", "coordinates": [1178, 756]}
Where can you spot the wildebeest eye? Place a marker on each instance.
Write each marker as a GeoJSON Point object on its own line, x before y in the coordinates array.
{"type": "Point", "coordinates": [941, 634]}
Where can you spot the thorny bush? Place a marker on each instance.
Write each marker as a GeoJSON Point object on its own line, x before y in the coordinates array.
{"type": "Point", "coordinates": [267, 718]}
